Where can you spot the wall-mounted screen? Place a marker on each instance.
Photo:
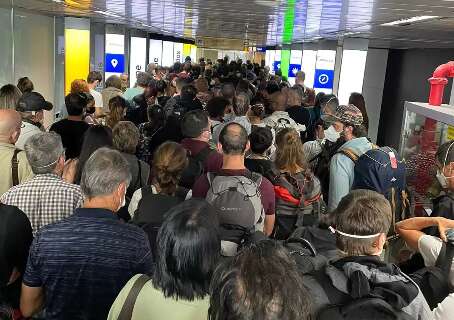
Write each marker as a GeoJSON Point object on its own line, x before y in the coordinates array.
{"type": "Point", "coordinates": [352, 73]}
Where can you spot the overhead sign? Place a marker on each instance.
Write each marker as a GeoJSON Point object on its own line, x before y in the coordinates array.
{"type": "Point", "coordinates": [293, 70]}
{"type": "Point", "coordinates": [324, 79]}
{"type": "Point", "coordinates": [115, 63]}
{"type": "Point", "coordinates": [276, 66]}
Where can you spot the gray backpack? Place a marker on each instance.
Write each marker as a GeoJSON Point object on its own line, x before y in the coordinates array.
{"type": "Point", "coordinates": [239, 205]}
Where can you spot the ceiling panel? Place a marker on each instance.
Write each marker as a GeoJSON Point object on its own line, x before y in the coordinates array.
{"type": "Point", "coordinates": [270, 22]}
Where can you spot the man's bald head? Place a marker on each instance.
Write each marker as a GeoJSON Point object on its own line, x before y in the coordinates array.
{"type": "Point", "coordinates": [279, 101]}
{"type": "Point", "coordinates": [10, 123]}
{"type": "Point", "coordinates": [233, 139]}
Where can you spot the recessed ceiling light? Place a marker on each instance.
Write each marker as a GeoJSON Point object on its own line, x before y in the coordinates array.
{"type": "Point", "coordinates": [409, 20]}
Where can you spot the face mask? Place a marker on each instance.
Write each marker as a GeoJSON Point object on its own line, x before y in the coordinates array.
{"type": "Point", "coordinates": [442, 179]}
{"type": "Point", "coordinates": [331, 134]}
{"type": "Point", "coordinates": [228, 117]}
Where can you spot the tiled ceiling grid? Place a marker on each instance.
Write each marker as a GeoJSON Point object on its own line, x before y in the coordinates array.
{"type": "Point", "coordinates": [270, 22]}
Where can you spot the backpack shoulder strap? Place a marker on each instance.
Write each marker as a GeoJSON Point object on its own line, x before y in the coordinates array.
{"type": "Point", "coordinates": [257, 178]}
{"type": "Point", "coordinates": [444, 260]}
{"type": "Point", "coordinates": [349, 153]}
{"type": "Point", "coordinates": [203, 154]}
{"type": "Point", "coordinates": [128, 306]}
{"type": "Point", "coordinates": [15, 167]}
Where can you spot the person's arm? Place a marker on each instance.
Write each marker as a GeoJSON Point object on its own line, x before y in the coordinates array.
{"type": "Point", "coordinates": [339, 180]}
{"type": "Point", "coordinates": [269, 224]}
{"type": "Point", "coordinates": [31, 300]}
{"type": "Point", "coordinates": [410, 229]}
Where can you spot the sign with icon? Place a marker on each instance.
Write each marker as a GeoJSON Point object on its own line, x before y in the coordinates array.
{"type": "Point", "coordinates": [324, 79]}
{"type": "Point", "coordinates": [293, 70]}
{"type": "Point", "coordinates": [276, 66]}
{"type": "Point", "coordinates": [115, 63]}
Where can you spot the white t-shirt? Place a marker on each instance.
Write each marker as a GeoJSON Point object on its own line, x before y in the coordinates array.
{"type": "Point", "coordinates": [430, 248]}
{"type": "Point", "coordinates": [27, 130]}
{"type": "Point", "coordinates": [98, 98]}
{"type": "Point", "coordinates": [445, 310]}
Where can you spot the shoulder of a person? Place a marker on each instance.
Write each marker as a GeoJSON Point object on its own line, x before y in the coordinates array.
{"type": "Point", "coordinates": [428, 241]}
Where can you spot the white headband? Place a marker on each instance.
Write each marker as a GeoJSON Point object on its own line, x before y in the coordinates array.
{"type": "Point", "coordinates": [353, 235]}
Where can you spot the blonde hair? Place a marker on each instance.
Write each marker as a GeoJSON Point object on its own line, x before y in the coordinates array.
{"type": "Point", "coordinates": [290, 154]}
{"type": "Point", "coordinates": [169, 161]}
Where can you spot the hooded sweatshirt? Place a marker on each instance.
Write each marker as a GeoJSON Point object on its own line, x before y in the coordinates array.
{"type": "Point", "coordinates": [368, 276]}
{"type": "Point", "coordinates": [341, 170]}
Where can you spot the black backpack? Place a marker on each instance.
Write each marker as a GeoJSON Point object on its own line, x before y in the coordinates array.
{"type": "Point", "coordinates": [360, 309]}
{"type": "Point", "coordinates": [305, 255]}
{"type": "Point", "coordinates": [152, 209]}
{"type": "Point", "coordinates": [434, 281]}
{"type": "Point", "coordinates": [320, 164]}
{"type": "Point", "coordinates": [195, 168]}
{"type": "Point", "coordinates": [381, 170]}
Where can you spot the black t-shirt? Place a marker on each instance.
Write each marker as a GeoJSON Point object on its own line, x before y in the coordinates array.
{"type": "Point", "coordinates": [72, 135]}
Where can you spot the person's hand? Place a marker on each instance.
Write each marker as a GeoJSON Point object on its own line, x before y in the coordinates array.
{"type": "Point", "coordinates": [319, 132]}
{"type": "Point", "coordinates": [443, 225]}
{"type": "Point", "coordinates": [69, 170]}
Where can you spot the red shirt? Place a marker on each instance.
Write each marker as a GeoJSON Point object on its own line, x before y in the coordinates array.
{"type": "Point", "coordinates": [213, 163]}
{"type": "Point", "coordinates": [202, 185]}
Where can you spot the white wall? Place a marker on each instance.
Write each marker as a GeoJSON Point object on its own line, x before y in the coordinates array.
{"type": "Point", "coordinates": [373, 84]}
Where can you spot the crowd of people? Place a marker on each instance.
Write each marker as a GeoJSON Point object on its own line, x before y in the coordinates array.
{"type": "Point", "coordinates": [210, 190]}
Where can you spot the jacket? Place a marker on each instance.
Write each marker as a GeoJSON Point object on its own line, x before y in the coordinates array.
{"type": "Point", "coordinates": [341, 170]}
{"type": "Point", "coordinates": [367, 276]}
{"type": "Point", "coordinates": [24, 169]}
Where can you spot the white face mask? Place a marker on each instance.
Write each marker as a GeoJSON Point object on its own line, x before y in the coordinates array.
{"type": "Point", "coordinates": [331, 134]}
{"type": "Point", "coordinates": [442, 179]}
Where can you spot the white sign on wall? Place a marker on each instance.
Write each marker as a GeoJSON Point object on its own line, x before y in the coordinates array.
{"type": "Point", "coordinates": [167, 54]}
{"type": "Point", "coordinates": [155, 54]}
{"type": "Point", "coordinates": [137, 60]}
{"type": "Point", "coordinates": [178, 52]}
{"type": "Point", "coordinates": [115, 48]}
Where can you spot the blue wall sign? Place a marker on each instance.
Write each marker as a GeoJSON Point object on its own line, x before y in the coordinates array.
{"type": "Point", "coordinates": [293, 69]}
{"type": "Point", "coordinates": [115, 63]}
{"type": "Point", "coordinates": [324, 79]}
{"type": "Point", "coordinates": [276, 65]}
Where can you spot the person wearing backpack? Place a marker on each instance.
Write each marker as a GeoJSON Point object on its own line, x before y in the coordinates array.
{"type": "Point", "coordinates": [298, 194]}
{"type": "Point", "coordinates": [245, 201]}
{"type": "Point", "coordinates": [359, 285]}
{"type": "Point", "coordinates": [280, 118]}
{"type": "Point", "coordinates": [437, 279]}
{"type": "Point", "coordinates": [349, 119]}
{"type": "Point", "coordinates": [150, 203]}
{"type": "Point", "coordinates": [195, 126]}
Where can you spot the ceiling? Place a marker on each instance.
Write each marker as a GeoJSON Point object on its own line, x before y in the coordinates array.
{"type": "Point", "coordinates": [270, 22]}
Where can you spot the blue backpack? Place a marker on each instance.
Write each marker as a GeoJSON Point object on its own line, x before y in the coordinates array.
{"type": "Point", "coordinates": [381, 170]}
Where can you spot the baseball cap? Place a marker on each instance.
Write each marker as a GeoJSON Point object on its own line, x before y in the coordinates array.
{"type": "Point", "coordinates": [345, 114]}
{"type": "Point", "coordinates": [33, 101]}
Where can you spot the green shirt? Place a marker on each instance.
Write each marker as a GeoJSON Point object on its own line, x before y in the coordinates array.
{"type": "Point", "coordinates": [151, 304]}
{"type": "Point", "coordinates": [130, 93]}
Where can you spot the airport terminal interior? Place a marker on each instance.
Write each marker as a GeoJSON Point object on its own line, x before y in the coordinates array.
{"type": "Point", "coordinates": [227, 160]}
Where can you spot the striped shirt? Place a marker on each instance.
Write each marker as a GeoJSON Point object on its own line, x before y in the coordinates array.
{"type": "Point", "coordinates": [44, 199]}
{"type": "Point", "coordinates": [83, 261]}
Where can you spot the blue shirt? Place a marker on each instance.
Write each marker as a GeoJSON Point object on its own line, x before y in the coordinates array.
{"type": "Point", "coordinates": [82, 263]}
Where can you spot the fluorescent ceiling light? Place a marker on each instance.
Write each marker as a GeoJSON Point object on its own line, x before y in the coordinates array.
{"type": "Point", "coordinates": [107, 13]}
{"type": "Point", "coordinates": [409, 20]}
